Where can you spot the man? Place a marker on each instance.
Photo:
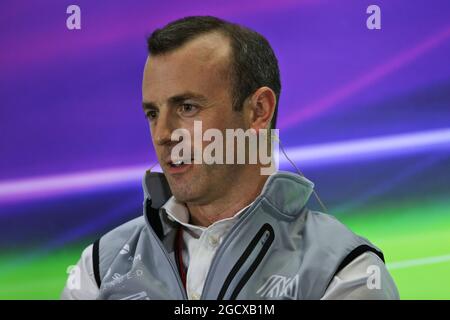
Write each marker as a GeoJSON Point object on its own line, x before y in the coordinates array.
{"type": "Point", "coordinates": [223, 231]}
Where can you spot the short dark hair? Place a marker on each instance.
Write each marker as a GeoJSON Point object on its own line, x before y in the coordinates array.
{"type": "Point", "coordinates": [253, 62]}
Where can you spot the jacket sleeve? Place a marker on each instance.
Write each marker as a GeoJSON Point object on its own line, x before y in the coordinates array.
{"type": "Point", "coordinates": [365, 278]}
{"type": "Point", "coordinates": [81, 283]}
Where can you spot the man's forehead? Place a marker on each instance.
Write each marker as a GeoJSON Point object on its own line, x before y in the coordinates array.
{"type": "Point", "coordinates": [201, 62]}
{"type": "Point", "coordinates": [210, 46]}
{"type": "Point", "coordinates": [212, 49]}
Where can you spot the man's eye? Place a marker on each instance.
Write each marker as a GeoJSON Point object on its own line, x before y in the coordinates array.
{"type": "Point", "coordinates": [188, 109]}
{"type": "Point", "coordinates": [152, 114]}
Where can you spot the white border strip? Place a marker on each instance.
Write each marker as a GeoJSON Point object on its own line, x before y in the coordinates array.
{"type": "Point", "coordinates": [418, 262]}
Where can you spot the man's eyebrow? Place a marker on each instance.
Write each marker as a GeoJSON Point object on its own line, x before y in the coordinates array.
{"type": "Point", "coordinates": [177, 99]}
{"type": "Point", "coordinates": [149, 106]}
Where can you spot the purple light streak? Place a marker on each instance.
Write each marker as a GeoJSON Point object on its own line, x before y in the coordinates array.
{"type": "Point", "coordinates": [403, 58]}
{"type": "Point", "coordinates": [315, 155]}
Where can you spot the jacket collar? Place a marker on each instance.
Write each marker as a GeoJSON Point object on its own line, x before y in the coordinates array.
{"type": "Point", "coordinates": [285, 191]}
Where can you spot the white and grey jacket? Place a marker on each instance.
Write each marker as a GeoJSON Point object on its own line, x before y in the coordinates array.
{"type": "Point", "coordinates": [278, 249]}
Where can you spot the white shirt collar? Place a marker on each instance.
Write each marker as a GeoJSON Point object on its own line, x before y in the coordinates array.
{"type": "Point", "coordinates": [176, 211]}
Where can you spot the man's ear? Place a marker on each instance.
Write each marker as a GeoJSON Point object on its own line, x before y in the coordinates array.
{"type": "Point", "coordinates": [261, 108]}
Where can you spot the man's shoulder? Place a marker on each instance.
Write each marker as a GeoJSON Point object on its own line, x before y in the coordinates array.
{"type": "Point", "coordinates": [324, 222]}
{"type": "Point", "coordinates": [329, 233]}
{"type": "Point", "coordinates": [123, 232]}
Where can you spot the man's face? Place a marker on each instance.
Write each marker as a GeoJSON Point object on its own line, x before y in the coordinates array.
{"type": "Point", "coordinates": [190, 84]}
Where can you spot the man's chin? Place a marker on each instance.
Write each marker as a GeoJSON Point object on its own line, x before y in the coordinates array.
{"type": "Point", "coordinates": [181, 187]}
{"type": "Point", "coordinates": [178, 179]}
{"type": "Point", "coordinates": [185, 194]}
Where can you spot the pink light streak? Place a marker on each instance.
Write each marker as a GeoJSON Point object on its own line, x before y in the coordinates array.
{"type": "Point", "coordinates": [315, 108]}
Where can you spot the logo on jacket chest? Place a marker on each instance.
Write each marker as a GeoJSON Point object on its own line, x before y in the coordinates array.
{"type": "Point", "coordinates": [280, 287]}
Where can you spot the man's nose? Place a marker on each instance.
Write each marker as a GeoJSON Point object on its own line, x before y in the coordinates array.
{"type": "Point", "coordinates": [162, 129]}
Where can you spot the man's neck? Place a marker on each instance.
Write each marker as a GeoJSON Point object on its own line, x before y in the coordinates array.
{"type": "Point", "coordinates": [226, 206]}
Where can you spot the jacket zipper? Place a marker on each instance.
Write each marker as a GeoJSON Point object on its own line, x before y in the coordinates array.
{"type": "Point", "coordinates": [166, 255]}
{"type": "Point", "coordinates": [214, 262]}
{"type": "Point", "coordinates": [250, 258]}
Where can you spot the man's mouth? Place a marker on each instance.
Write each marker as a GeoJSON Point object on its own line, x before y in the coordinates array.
{"type": "Point", "coordinates": [178, 161]}
{"type": "Point", "coordinates": [178, 166]}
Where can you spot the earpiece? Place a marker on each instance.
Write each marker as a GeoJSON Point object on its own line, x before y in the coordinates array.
{"type": "Point", "coordinates": [276, 138]}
